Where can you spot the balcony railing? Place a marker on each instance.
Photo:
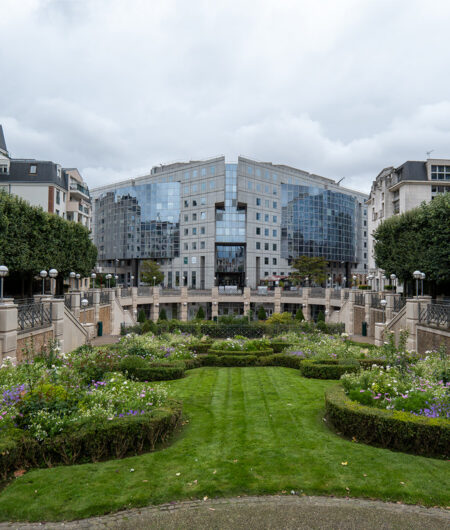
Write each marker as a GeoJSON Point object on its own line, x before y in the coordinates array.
{"type": "Point", "coordinates": [104, 297]}
{"type": "Point", "coordinates": [89, 296]}
{"type": "Point", "coordinates": [34, 315]}
{"type": "Point", "coordinates": [317, 292]}
{"type": "Point", "coordinates": [199, 292]}
{"type": "Point", "coordinates": [437, 314]}
{"type": "Point", "coordinates": [336, 294]}
{"type": "Point", "coordinates": [143, 290]}
{"type": "Point", "coordinates": [261, 292]}
{"type": "Point", "coordinates": [125, 292]}
{"type": "Point", "coordinates": [170, 292]}
{"type": "Point", "coordinates": [296, 292]}
{"type": "Point", "coordinates": [375, 300]}
{"type": "Point", "coordinates": [359, 299]}
{"type": "Point", "coordinates": [229, 290]}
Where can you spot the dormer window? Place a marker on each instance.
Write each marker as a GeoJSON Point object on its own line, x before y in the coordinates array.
{"type": "Point", "coordinates": [33, 170]}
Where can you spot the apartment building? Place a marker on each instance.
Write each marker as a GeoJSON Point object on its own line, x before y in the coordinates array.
{"type": "Point", "coordinates": [397, 190]}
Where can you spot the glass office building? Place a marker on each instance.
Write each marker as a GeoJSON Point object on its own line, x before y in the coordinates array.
{"type": "Point", "coordinates": [215, 223]}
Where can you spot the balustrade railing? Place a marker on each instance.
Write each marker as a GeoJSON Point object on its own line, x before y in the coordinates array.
{"type": "Point", "coordinates": [336, 294]}
{"type": "Point", "coordinates": [89, 296]}
{"type": "Point", "coordinates": [170, 292]}
{"type": "Point", "coordinates": [144, 290]}
{"type": "Point", "coordinates": [126, 291]}
{"type": "Point", "coordinates": [359, 299]}
{"type": "Point", "coordinates": [104, 297]}
{"type": "Point", "coordinates": [375, 300]}
{"type": "Point", "coordinates": [296, 292]}
{"type": "Point", "coordinates": [199, 292]}
{"type": "Point", "coordinates": [33, 315]}
{"type": "Point", "coordinates": [437, 314]}
{"type": "Point", "coordinates": [399, 303]}
{"type": "Point", "coordinates": [317, 292]}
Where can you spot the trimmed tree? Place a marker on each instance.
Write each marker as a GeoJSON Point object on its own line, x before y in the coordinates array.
{"type": "Point", "coordinates": [299, 315]}
{"type": "Point", "coordinates": [313, 268]}
{"type": "Point", "coordinates": [162, 314]}
{"type": "Point", "coordinates": [321, 316]}
{"type": "Point", "coordinates": [262, 313]}
{"type": "Point", "coordinates": [200, 313]}
{"type": "Point", "coordinates": [141, 316]}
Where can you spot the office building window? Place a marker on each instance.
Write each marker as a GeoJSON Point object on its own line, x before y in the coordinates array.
{"type": "Point", "coordinates": [266, 218]}
{"type": "Point", "coordinates": [258, 216]}
{"type": "Point", "coordinates": [194, 231]}
{"type": "Point", "coordinates": [266, 232]}
{"type": "Point", "coordinates": [202, 244]}
{"type": "Point", "coordinates": [275, 218]}
{"type": "Point", "coordinates": [186, 231]}
{"type": "Point", "coordinates": [266, 246]}
{"type": "Point", "coordinates": [202, 215]}
{"type": "Point", "coordinates": [202, 230]}
{"type": "Point", "coordinates": [185, 260]}
{"type": "Point", "coordinates": [274, 261]}
{"type": "Point", "coordinates": [258, 231]}
{"type": "Point", "coordinates": [274, 233]}
{"type": "Point", "coordinates": [194, 217]}
{"type": "Point", "coordinates": [266, 261]}
{"type": "Point", "coordinates": [258, 201]}
{"type": "Point", "coordinates": [274, 247]}
{"type": "Point", "coordinates": [258, 245]}
{"type": "Point", "coordinates": [275, 206]}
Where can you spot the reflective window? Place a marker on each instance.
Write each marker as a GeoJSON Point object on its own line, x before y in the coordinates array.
{"type": "Point", "coordinates": [274, 233]}
{"type": "Point", "coordinates": [258, 201]}
{"type": "Point", "coordinates": [258, 231]}
{"type": "Point", "coordinates": [230, 258]}
{"type": "Point", "coordinates": [266, 218]}
{"type": "Point", "coordinates": [212, 170]}
{"type": "Point", "coordinates": [258, 216]}
{"type": "Point", "coordinates": [203, 171]}
{"type": "Point", "coordinates": [258, 245]}
{"type": "Point", "coordinates": [202, 244]}
{"type": "Point", "coordinates": [266, 232]}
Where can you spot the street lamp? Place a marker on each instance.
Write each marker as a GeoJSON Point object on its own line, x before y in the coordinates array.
{"type": "Point", "coordinates": [344, 280]}
{"type": "Point", "coordinates": [108, 277]}
{"type": "Point", "coordinates": [3, 272]}
{"type": "Point", "coordinates": [84, 303]}
{"type": "Point", "coordinates": [370, 278]}
{"type": "Point", "coordinates": [78, 276]}
{"type": "Point", "coordinates": [417, 275]}
{"type": "Point", "coordinates": [330, 280]}
{"type": "Point", "coordinates": [132, 280]}
{"type": "Point", "coordinates": [383, 282]}
{"type": "Point", "coordinates": [43, 275]}
{"type": "Point", "coordinates": [93, 276]}
{"type": "Point", "coordinates": [116, 277]}
{"type": "Point", "coordinates": [354, 281]}
{"type": "Point", "coordinates": [393, 277]}
{"type": "Point", "coordinates": [422, 278]}
{"type": "Point", "coordinates": [383, 305]}
{"type": "Point", "coordinates": [72, 276]}
{"type": "Point", "coordinates": [307, 281]}
{"type": "Point", "coordinates": [53, 273]}
{"type": "Point", "coordinates": [154, 280]}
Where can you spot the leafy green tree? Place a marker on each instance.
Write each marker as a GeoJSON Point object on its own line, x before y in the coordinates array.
{"type": "Point", "coordinates": [149, 270]}
{"type": "Point", "coordinates": [313, 268]}
{"type": "Point", "coordinates": [200, 313]}
{"type": "Point", "coordinates": [299, 315]}
{"type": "Point", "coordinates": [262, 313]}
{"type": "Point", "coordinates": [321, 316]}
{"type": "Point", "coordinates": [32, 240]}
{"type": "Point", "coordinates": [416, 240]}
{"type": "Point", "coordinates": [162, 314]}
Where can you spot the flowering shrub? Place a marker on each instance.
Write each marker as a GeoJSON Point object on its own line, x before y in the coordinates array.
{"type": "Point", "coordinates": [172, 347]}
{"type": "Point", "coordinates": [417, 388]}
{"type": "Point", "coordinates": [239, 343]}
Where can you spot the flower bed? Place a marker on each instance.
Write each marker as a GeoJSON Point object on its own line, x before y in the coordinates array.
{"type": "Point", "coordinates": [50, 409]}
{"type": "Point", "coordinates": [387, 428]}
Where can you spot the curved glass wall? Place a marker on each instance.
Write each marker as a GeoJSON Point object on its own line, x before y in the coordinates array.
{"type": "Point", "coordinates": [230, 220]}
{"type": "Point", "coordinates": [140, 221]}
{"type": "Point", "coordinates": [317, 222]}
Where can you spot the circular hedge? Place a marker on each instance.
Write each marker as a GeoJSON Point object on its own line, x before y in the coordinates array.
{"type": "Point", "coordinates": [254, 353]}
{"type": "Point", "coordinates": [387, 428]}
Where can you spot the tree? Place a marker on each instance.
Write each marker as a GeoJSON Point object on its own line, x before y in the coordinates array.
{"type": "Point", "coordinates": [262, 313]}
{"type": "Point", "coordinates": [162, 314]}
{"type": "Point", "coordinates": [313, 268]}
{"type": "Point", "coordinates": [32, 240]}
{"type": "Point", "coordinates": [321, 316]}
{"type": "Point", "coordinates": [416, 240]}
{"type": "Point", "coordinates": [141, 316]}
{"type": "Point", "coordinates": [149, 270]}
{"type": "Point", "coordinates": [299, 315]}
{"type": "Point", "coordinates": [280, 318]}
{"type": "Point", "coordinates": [200, 313]}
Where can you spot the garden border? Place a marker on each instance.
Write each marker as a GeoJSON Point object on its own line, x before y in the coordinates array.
{"type": "Point", "coordinates": [389, 429]}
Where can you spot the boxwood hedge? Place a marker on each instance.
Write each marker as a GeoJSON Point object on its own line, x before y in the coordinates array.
{"type": "Point", "coordinates": [140, 369]}
{"type": "Point", "coordinates": [387, 428]}
{"type": "Point", "coordinates": [326, 369]}
{"type": "Point", "coordinates": [256, 353]}
{"type": "Point", "coordinates": [90, 442]}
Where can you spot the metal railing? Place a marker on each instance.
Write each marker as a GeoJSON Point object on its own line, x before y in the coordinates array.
{"type": "Point", "coordinates": [34, 315]}
{"type": "Point", "coordinates": [261, 292]}
{"type": "Point", "coordinates": [438, 314]}
{"type": "Point", "coordinates": [104, 297]}
{"type": "Point", "coordinates": [144, 290]}
{"type": "Point", "coordinates": [399, 303]}
{"type": "Point", "coordinates": [68, 301]}
{"type": "Point", "coordinates": [170, 292]}
{"type": "Point", "coordinates": [89, 296]}
{"type": "Point", "coordinates": [375, 300]}
{"type": "Point", "coordinates": [125, 292]}
{"type": "Point", "coordinates": [229, 290]}
{"type": "Point", "coordinates": [297, 292]}
{"type": "Point", "coordinates": [199, 292]}
{"type": "Point", "coordinates": [336, 294]}
{"type": "Point", "coordinates": [317, 292]}
{"type": "Point", "coordinates": [359, 299]}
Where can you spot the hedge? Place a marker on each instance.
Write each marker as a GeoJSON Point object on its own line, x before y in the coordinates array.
{"type": "Point", "coordinates": [228, 360]}
{"type": "Point", "coordinates": [200, 347]}
{"type": "Point", "coordinates": [278, 347]}
{"type": "Point", "coordinates": [387, 428]}
{"type": "Point", "coordinates": [140, 369]}
{"type": "Point", "coordinates": [279, 359]}
{"type": "Point", "coordinates": [256, 353]}
{"type": "Point", "coordinates": [366, 364]}
{"type": "Point", "coordinates": [90, 442]}
{"type": "Point", "coordinates": [327, 369]}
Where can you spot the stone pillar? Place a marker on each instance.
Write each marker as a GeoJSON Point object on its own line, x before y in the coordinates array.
{"type": "Point", "coordinates": [134, 299]}
{"type": "Point", "coordinates": [215, 302]}
{"type": "Point", "coordinates": [96, 304]}
{"type": "Point", "coordinates": [8, 329]}
{"type": "Point", "coordinates": [118, 291]}
{"type": "Point", "coordinates": [379, 332]}
{"type": "Point", "coordinates": [184, 304]}
{"type": "Point", "coordinates": [350, 324]}
{"type": "Point", "coordinates": [277, 300]}
{"type": "Point", "coordinates": [413, 306]}
{"type": "Point", "coordinates": [57, 312]}
{"type": "Point", "coordinates": [367, 300]}
{"type": "Point", "coordinates": [75, 300]}
{"type": "Point", "coordinates": [389, 311]}
{"type": "Point", "coordinates": [328, 300]}
{"type": "Point", "coordinates": [155, 305]}
{"type": "Point", "coordinates": [306, 294]}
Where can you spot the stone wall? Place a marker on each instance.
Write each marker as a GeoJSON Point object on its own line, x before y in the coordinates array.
{"type": "Point", "coordinates": [432, 339]}
{"type": "Point", "coordinates": [105, 317]}
{"type": "Point", "coordinates": [359, 317]}
{"type": "Point", "coordinates": [376, 315]}
{"type": "Point", "coordinates": [87, 315]}
{"type": "Point", "coordinates": [34, 341]}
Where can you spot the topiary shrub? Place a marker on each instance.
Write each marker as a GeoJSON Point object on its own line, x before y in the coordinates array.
{"type": "Point", "coordinates": [200, 313]}
{"type": "Point", "coordinates": [299, 315]}
{"type": "Point", "coordinates": [387, 428]}
{"type": "Point", "coordinates": [257, 353]}
{"type": "Point", "coordinates": [261, 313]}
{"type": "Point", "coordinates": [279, 359]}
{"type": "Point", "coordinates": [140, 369]}
{"type": "Point", "coordinates": [148, 327]}
{"type": "Point", "coordinates": [228, 360]}
{"type": "Point", "coordinates": [141, 316]}
{"type": "Point", "coordinates": [321, 316]}
{"type": "Point", "coordinates": [327, 369]}
{"type": "Point", "coordinates": [162, 314]}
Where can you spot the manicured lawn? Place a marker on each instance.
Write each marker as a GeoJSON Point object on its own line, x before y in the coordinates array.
{"type": "Point", "coordinates": [250, 431]}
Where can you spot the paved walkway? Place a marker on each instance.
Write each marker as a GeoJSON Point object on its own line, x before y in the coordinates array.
{"type": "Point", "coordinates": [106, 339]}
{"type": "Point", "coordinates": [269, 512]}
{"type": "Point", "coordinates": [360, 338]}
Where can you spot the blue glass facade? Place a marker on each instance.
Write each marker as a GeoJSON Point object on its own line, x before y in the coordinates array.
{"type": "Point", "coordinates": [230, 220]}
{"type": "Point", "coordinates": [139, 221]}
{"type": "Point", "coordinates": [317, 222]}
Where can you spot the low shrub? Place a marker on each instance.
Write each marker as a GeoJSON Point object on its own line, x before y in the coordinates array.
{"type": "Point", "coordinates": [326, 369]}
{"type": "Point", "coordinates": [279, 359]}
{"type": "Point", "coordinates": [200, 347]}
{"type": "Point", "coordinates": [141, 370]}
{"type": "Point", "coordinates": [368, 363]}
{"type": "Point", "coordinates": [392, 429]}
{"type": "Point", "coordinates": [279, 346]}
{"type": "Point", "coordinates": [134, 433]}
{"type": "Point", "coordinates": [228, 360]}
{"type": "Point", "coordinates": [256, 353]}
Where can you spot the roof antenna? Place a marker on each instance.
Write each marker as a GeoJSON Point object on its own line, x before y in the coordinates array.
{"type": "Point", "coordinates": [429, 153]}
{"type": "Point", "coordinates": [339, 181]}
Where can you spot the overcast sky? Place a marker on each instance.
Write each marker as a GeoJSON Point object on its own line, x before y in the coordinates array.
{"type": "Point", "coordinates": [338, 88]}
